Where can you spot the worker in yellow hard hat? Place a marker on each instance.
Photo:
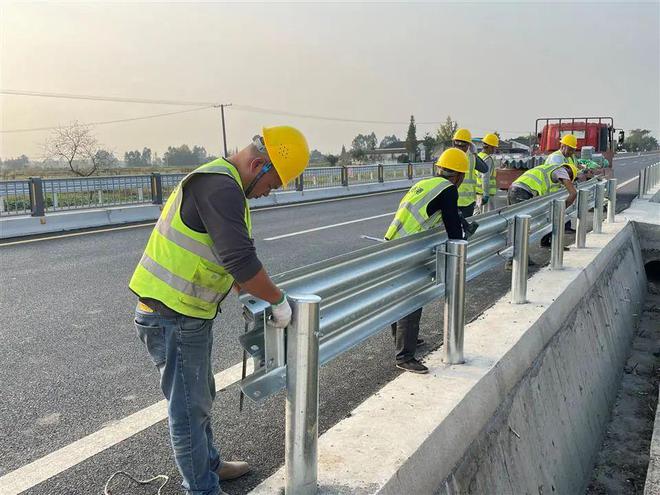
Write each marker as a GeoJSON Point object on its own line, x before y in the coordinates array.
{"type": "Point", "coordinates": [200, 248]}
{"type": "Point", "coordinates": [429, 203]}
{"type": "Point", "coordinates": [467, 196]}
{"type": "Point", "coordinates": [486, 187]}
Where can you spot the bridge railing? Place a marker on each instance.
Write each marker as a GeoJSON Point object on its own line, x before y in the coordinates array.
{"type": "Point", "coordinates": [37, 196]}
{"type": "Point", "coordinates": [341, 302]}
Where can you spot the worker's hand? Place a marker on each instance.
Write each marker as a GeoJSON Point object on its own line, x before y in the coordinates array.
{"type": "Point", "coordinates": [281, 312]}
{"type": "Point", "coordinates": [484, 199]}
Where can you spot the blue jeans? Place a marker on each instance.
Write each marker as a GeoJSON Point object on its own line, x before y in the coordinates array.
{"type": "Point", "coordinates": [180, 347]}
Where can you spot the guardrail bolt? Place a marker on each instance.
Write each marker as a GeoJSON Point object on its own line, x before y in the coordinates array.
{"type": "Point", "coordinates": [37, 202]}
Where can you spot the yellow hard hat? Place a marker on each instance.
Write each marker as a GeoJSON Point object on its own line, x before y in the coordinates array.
{"type": "Point", "coordinates": [453, 159]}
{"type": "Point", "coordinates": [569, 140]}
{"type": "Point", "coordinates": [491, 140]}
{"type": "Point", "coordinates": [462, 135]}
{"type": "Point", "coordinates": [288, 150]}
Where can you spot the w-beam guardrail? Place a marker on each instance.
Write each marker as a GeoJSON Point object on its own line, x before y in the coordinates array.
{"type": "Point", "coordinates": [341, 302]}
{"type": "Point", "coordinates": [649, 177]}
{"type": "Point", "coordinates": [37, 196]}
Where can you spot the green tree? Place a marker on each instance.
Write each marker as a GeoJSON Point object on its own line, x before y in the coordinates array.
{"type": "Point", "coordinates": [133, 159]}
{"type": "Point", "coordinates": [411, 139]}
{"type": "Point", "coordinates": [446, 132]}
{"type": "Point", "coordinates": [332, 159]}
{"type": "Point", "coordinates": [640, 140]}
{"type": "Point", "coordinates": [429, 144]}
{"type": "Point", "coordinates": [363, 143]}
{"type": "Point", "coordinates": [343, 156]}
{"type": "Point", "coordinates": [389, 141]}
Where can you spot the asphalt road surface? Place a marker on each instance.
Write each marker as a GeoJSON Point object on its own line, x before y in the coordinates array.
{"type": "Point", "coordinates": [72, 364]}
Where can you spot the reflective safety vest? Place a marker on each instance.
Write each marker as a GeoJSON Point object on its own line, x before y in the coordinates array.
{"type": "Point", "coordinates": [539, 178]}
{"type": "Point", "coordinates": [179, 266]}
{"type": "Point", "coordinates": [411, 217]}
{"type": "Point", "coordinates": [466, 191]}
{"type": "Point", "coordinates": [556, 186]}
{"type": "Point", "coordinates": [492, 184]}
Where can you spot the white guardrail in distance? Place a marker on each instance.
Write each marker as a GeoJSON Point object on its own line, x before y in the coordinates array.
{"type": "Point", "coordinates": [364, 291]}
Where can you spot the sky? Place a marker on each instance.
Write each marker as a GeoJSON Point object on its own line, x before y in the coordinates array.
{"type": "Point", "coordinates": [492, 66]}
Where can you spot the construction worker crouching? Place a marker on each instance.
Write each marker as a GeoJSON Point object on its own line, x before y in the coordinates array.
{"type": "Point", "coordinates": [467, 196]}
{"type": "Point", "coordinates": [486, 187]}
{"type": "Point", "coordinates": [559, 169]}
{"type": "Point", "coordinates": [199, 249]}
{"type": "Point", "coordinates": [429, 203]}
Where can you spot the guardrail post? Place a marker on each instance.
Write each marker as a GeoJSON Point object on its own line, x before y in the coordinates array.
{"type": "Point", "coordinates": [557, 245]}
{"type": "Point", "coordinates": [37, 203]}
{"type": "Point", "coordinates": [598, 208]}
{"type": "Point", "coordinates": [299, 183]}
{"type": "Point", "coordinates": [582, 213]}
{"type": "Point", "coordinates": [640, 183]}
{"type": "Point", "coordinates": [302, 399]}
{"type": "Point", "coordinates": [381, 174]}
{"type": "Point", "coordinates": [344, 176]}
{"type": "Point", "coordinates": [520, 259]}
{"type": "Point", "coordinates": [611, 200]}
{"type": "Point", "coordinates": [410, 171]}
{"type": "Point", "coordinates": [156, 188]}
{"type": "Point", "coordinates": [454, 301]}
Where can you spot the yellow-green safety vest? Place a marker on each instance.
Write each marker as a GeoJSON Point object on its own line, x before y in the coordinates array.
{"type": "Point", "coordinates": [556, 186]}
{"type": "Point", "coordinates": [492, 184]}
{"type": "Point", "coordinates": [180, 267]}
{"type": "Point", "coordinates": [466, 191]}
{"type": "Point", "coordinates": [539, 178]}
{"type": "Point", "coordinates": [411, 217]}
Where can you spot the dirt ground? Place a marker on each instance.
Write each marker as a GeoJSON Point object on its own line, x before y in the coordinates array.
{"type": "Point", "coordinates": [622, 463]}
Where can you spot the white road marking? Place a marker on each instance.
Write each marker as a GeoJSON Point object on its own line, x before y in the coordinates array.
{"type": "Point", "coordinates": [148, 224]}
{"type": "Point", "coordinates": [59, 461]}
{"type": "Point", "coordinates": [626, 183]}
{"type": "Point", "coordinates": [327, 227]}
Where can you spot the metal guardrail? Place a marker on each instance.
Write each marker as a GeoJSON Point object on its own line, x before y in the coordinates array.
{"type": "Point", "coordinates": [649, 177]}
{"type": "Point", "coordinates": [339, 303]}
{"type": "Point", "coordinates": [37, 196]}
{"type": "Point", "coordinates": [364, 291]}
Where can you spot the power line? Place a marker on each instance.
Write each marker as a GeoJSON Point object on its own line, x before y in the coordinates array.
{"type": "Point", "coordinates": [117, 99]}
{"type": "Point", "coordinates": [105, 122]}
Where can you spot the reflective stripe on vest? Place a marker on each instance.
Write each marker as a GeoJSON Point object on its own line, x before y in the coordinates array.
{"type": "Point", "coordinates": [180, 266]}
{"type": "Point", "coordinates": [466, 193]}
{"type": "Point", "coordinates": [539, 178]}
{"type": "Point", "coordinates": [492, 184]}
{"type": "Point", "coordinates": [411, 216]}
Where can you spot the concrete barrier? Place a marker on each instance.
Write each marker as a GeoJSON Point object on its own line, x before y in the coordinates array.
{"type": "Point", "coordinates": [103, 217]}
{"type": "Point", "coordinates": [527, 412]}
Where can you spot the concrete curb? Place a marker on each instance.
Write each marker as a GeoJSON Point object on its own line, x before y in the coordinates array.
{"type": "Point", "coordinates": [453, 431]}
{"type": "Point", "coordinates": [652, 485]}
{"type": "Point", "coordinates": [11, 227]}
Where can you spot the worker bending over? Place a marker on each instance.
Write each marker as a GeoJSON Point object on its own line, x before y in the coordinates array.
{"type": "Point", "coordinates": [429, 203]}
{"type": "Point", "coordinates": [486, 187]}
{"type": "Point", "coordinates": [200, 247]}
{"type": "Point", "coordinates": [467, 197]}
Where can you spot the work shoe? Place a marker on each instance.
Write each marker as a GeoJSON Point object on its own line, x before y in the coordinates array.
{"type": "Point", "coordinates": [232, 470]}
{"type": "Point", "coordinates": [413, 366]}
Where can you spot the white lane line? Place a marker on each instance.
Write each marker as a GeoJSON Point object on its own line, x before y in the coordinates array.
{"type": "Point", "coordinates": [327, 227]}
{"type": "Point", "coordinates": [256, 210]}
{"type": "Point", "coordinates": [56, 462]}
{"type": "Point", "coordinates": [623, 184]}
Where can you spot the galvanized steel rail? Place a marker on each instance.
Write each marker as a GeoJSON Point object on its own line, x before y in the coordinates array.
{"type": "Point", "coordinates": [364, 291]}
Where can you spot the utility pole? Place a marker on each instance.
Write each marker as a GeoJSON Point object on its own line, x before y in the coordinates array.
{"type": "Point", "coordinates": [224, 134]}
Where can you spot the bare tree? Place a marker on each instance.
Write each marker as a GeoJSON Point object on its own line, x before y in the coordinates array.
{"type": "Point", "coordinates": [77, 145]}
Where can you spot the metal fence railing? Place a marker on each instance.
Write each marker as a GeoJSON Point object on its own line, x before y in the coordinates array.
{"type": "Point", "coordinates": [37, 196]}
{"type": "Point", "coordinates": [343, 301]}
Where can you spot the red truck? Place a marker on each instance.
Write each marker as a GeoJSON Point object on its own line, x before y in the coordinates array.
{"type": "Point", "coordinates": [597, 132]}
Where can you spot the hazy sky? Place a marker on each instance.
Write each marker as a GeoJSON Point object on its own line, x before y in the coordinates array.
{"type": "Point", "coordinates": [491, 66]}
